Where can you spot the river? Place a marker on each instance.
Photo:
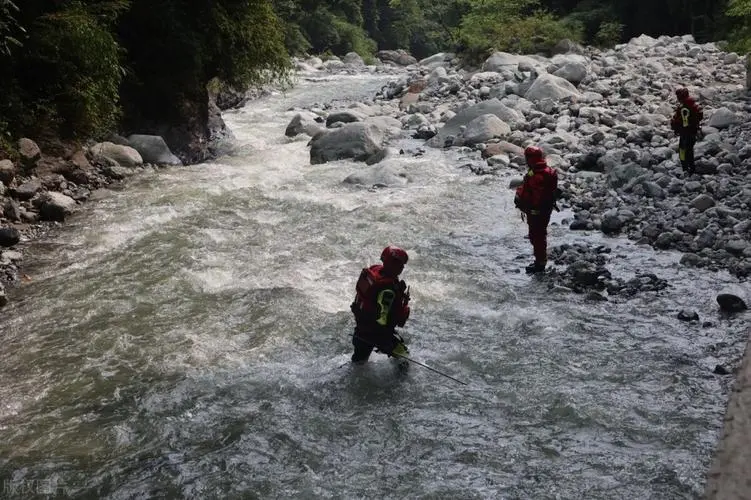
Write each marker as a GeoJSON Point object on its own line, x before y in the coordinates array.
{"type": "Point", "coordinates": [187, 337]}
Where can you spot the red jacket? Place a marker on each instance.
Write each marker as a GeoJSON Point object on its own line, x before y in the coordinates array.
{"type": "Point", "coordinates": [537, 192]}
{"type": "Point", "coordinates": [380, 300]}
{"type": "Point", "coordinates": [687, 118]}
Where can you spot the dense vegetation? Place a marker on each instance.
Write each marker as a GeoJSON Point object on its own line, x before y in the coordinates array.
{"type": "Point", "coordinates": [81, 68]}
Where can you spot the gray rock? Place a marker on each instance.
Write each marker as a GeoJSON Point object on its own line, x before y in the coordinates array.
{"type": "Point", "coordinates": [400, 57]}
{"type": "Point", "coordinates": [353, 58]}
{"type": "Point", "coordinates": [664, 240]}
{"type": "Point", "coordinates": [702, 202]}
{"type": "Point", "coordinates": [125, 156]}
{"type": "Point", "coordinates": [653, 190]}
{"type": "Point", "coordinates": [551, 87]}
{"type": "Point", "coordinates": [688, 315]}
{"type": "Point", "coordinates": [573, 72]}
{"type": "Point", "coordinates": [736, 247]}
{"type": "Point", "coordinates": [7, 172]}
{"type": "Point", "coordinates": [620, 175]}
{"type": "Point", "coordinates": [303, 123]}
{"type": "Point", "coordinates": [27, 190]}
{"type": "Point", "coordinates": [705, 239]}
{"type": "Point", "coordinates": [153, 149]}
{"type": "Point", "coordinates": [9, 236]}
{"type": "Point", "coordinates": [29, 152]}
{"type": "Point", "coordinates": [453, 126]}
{"type": "Point", "coordinates": [611, 223]}
{"type": "Point", "coordinates": [484, 128]}
{"type": "Point", "coordinates": [54, 206]}
{"type": "Point", "coordinates": [437, 59]}
{"type": "Point", "coordinates": [357, 141]}
{"type": "Point", "coordinates": [690, 259]}
{"type": "Point", "coordinates": [731, 302]}
{"type": "Point", "coordinates": [723, 118]}
{"type": "Point", "coordinates": [503, 60]}
{"type": "Point", "coordinates": [343, 117]}
{"type": "Point", "coordinates": [11, 210]}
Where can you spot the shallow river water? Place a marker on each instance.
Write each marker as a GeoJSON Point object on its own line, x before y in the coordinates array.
{"type": "Point", "coordinates": [187, 337]}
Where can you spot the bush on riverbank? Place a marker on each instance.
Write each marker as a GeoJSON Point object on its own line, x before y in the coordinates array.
{"type": "Point", "coordinates": [82, 69]}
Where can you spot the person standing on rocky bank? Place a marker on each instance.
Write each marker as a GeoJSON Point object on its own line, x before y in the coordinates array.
{"type": "Point", "coordinates": [686, 123]}
{"type": "Point", "coordinates": [536, 199]}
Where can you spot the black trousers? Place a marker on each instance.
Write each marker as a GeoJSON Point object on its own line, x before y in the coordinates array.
{"type": "Point", "coordinates": [686, 152]}
{"type": "Point", "coordinates": [364, 341]}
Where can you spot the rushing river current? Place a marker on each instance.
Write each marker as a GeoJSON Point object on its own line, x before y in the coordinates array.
{"type": "Point", "coordinates": [188, 337]}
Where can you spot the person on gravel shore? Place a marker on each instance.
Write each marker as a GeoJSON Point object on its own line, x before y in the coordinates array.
{"type": "Point", "coordinates": [686, 123]}
{"type": "Point", "coordinates": [536, 199]}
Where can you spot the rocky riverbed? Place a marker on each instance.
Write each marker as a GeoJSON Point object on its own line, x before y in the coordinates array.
{"type": "Point", "coordinates": [602, 118]}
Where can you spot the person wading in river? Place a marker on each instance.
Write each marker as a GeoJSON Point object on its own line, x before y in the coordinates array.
{"type": "Point", "coordinates": [686, 123]}
{"type": "Point", "coordinates": [380, 306]}
{"type": "Point", "coordinates": [536, 199]}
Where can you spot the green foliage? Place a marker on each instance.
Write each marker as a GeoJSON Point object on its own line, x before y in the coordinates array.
{"type": "Point", "coordinates": [353, 39]}
{"type": "Point", "coordinates": [245, 44]}
{"type": "Point", "coordinates": [512, 26]}
{"type": "Point", "coordinates": [609, 34]}
{"type": "Point", "coordinates": [175, 47]}
{"type": "Point", "coordinates": [739, 11]}
{"type": "Point", "coordinates": [67, 75]}
{"type": "Point", "coordinates": [9, 27]}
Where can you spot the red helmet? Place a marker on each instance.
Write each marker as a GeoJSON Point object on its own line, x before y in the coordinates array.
{"type": "Point", "coordinates": [682, 94]}
{"type": "Point", "coordinates": [533, 153]}
{"type": "Point", "coordinates": [394, 258]}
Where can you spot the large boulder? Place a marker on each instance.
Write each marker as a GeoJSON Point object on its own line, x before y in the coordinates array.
{"type": "Point", "coordinates": [27, 190]}
{"type": "Point", "coordinates": [731, 300]}
{"type": "Point", "coordinates": [723, 118]}
{"type": "Point", "coordinates": [453, 126]}
{"type": "Point", "coordinates": [400, 57]}
{"type": "Point", "coordinates": [485, 127]}
{"type": "Point", "coordinates": [552, 87]}
{"type": "Point", "coordinates": [437, 60]}
{"type": "Point", "coordinates": [353, 59]}
{"type": "Point", "coordinates": [345, 116]}
{"type": "Point", "coordinates": [620, 175]}
{"type": "Point", "coordinates": [54, 206]}
{"type": "Point", "coordinates": [125, 156]}
{"type": "Point", "coordinates": [574, 72]}
{"type": "Point", "coordinates": [303, 123]}
{"type": "Point", "coordinates": [7, 172]}
{"type": "Point", "coordinates": [29, 152]}
{"type": "Point", "coordinates": [357, 141]}
{"type": "Point", "coordinates": [9, 236]}
{"type": "Point", "coordinates": [153, 149]}
{"type": "Point", "coordinates": [389, 126]}
{"type": "Point", "coordinates": [500, 61]}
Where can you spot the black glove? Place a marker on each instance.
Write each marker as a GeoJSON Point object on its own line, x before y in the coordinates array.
{"type": "Point", "coordinates": [405, 291]}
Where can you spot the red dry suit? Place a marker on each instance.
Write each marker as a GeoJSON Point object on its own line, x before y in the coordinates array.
{"type": "Point", "coordinates": [536, 198]}
{"type": "Point", "coordinates": [686, 122]}
{"type": "Point", "coordinates": [380, 306]}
